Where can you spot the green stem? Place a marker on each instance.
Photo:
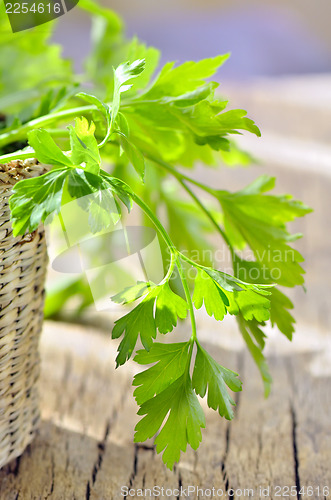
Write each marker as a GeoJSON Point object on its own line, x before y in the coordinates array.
{"type": "Point", "coordinates": [188, 298]}
{"type": "Point", "coordinates": [17, 156]}
{"type": "Point", "coordinates": [58, 132]}
{"type": "Point", "coordinates": [42, 122]}
{"type": "Point", "coordinates": [64, 229]}
{"type": "Point", "coordinates": [20, 133]}
{"type": "Point", "coordinates": [170, 269]}
{"type": "Point", "coordinates": [189, 358]}
{"type": "Point", "coordinates": [174, 252]}
{"type": "Point", "coordinates": [155, 221]}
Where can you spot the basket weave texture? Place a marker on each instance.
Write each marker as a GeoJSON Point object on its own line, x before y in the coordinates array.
{"type": "Point", "coordinates": [23, 262]}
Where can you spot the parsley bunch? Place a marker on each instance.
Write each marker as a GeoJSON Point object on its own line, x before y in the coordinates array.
{"type": "Point", "coordinates": [92, 129]}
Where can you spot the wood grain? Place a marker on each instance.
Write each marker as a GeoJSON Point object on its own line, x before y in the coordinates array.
{"type": "Point", "coordinates": [85, 449]}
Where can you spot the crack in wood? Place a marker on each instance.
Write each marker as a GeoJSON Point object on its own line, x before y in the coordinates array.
{"type": "Point", "coordinates": [145, 447]}
{"type": "Point", "coordinates": [88, 491]}
{"type": "Point", "coordinates": [102, 449]}
{"type": "Point", "coordinates": [102, 446]}
{"type": "Point", "coordinates": [134, 469]}
{"type": "Point", "coordinates": [290, 374]}
{"type": "Point", "coordinates": [98, 463]}
{"type": "Point", "coordinates": [237, 399]}
{"type": "Point", "coordinates": [52, 478]}
{"type": "Point", "coordinates": [180, 484]}
{"type": "Point", "coordinates": [225, 474]}
{"type": "Point", "coordinates": [295, 451]}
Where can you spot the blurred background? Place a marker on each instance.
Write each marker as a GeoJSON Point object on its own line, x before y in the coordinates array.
{"type": "Point", "coordinates": [280, 71]}
{"type": "Point", "coordinates": [265, 38]}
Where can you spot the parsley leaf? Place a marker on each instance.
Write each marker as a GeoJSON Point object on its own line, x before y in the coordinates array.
{"type": "Point", "coordinates": [259, 220]}
{"type": "Point", "coordinates": [142, 321]}
{"type": "Point", "coordinates": [279, 302]}
{"type": "Point", "coordinates": [221, 293]}
{"type": "Point", "coordinates": [33, 200]}
{"type": "Point", "coordinates": [169, 306]}
{"type": "Point", "coordinates": [179, 405]}
{"type": "Point", "coordinates": [178, 119]}
{"type": "Point", "coordinates": [207, 292]}
{"type": "Point", "coordinates": [208, 374]}
{"type": "Point", "coordinates": [177, 81]}
{"type": "Point", "coordinates": [97, 196]}
{"type": "Point", "coordinates": [138, 322]}
{"type": "Point", "coordinates": [254, 338]}
{"type": "Point", "coordinates": [84, 147]}
{"type": "Point", "coordinates": [122, 74]}
{"type": "Point", "coordinates": [46, 150]}
{"type": "Point", "coordinates": [132, 293]}
{"type": "Point", "coordinates": [102, 107]}
{"type": "Point", "coordinates": [170, 361]}
{"type": "Point", "coordinates": [134, 155]}
{"type": "Point", "coordinates": [279, 314]}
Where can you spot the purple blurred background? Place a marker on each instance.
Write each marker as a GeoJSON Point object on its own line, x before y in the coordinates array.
{"type": "Point", "coordinates": [265, 38]}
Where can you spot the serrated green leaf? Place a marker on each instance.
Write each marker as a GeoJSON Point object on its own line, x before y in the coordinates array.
{"type": "Point", "coordinates": [250, 304]}
{"type": "Point", "coordinates": [137, 323]}
{"type": "Point", "coordinates": [122, 74]}
{"type": "Point", "coordinates": [132, 293]}
{"type": "Point", "coordinates": [143, 320]}
{"type": "Point", "coordinates": [134, 155]}
{"type": "Point", "coordinates": [179, 113]}
{"type": "Point", "coordinates": [96, 195]}
{"type": "Point", "coordinates": [33, 200]}
{"type": "Point", "coordinates": [121, 189]}
{"type": "Point", "coordinates": [232, 284]}
{"type": "Point", "coordinates": [170, 361]}
{"type": "Point", "coordinates": [169, 307]}
{"type": "Point", "coordinates": [208, 374]}
{"type": "Point", "coordinates": [84, 147]}
{"type": "Point", "coordinates": [46, 150]}
{"type": "Point", "coordinates": [187, 77]}
{"type": "Point", "coordinates": [208, 293]}
{"type": "Point", "coordinates": [102, 107]}
{"type": "Point", "coordinates": [256, 349]}
{"type": "Point", "coordinates": [279, 314]}
{"type": "Point", "coordinates": [259, 220]}
{"type": "Point", "coordinates": [221, 292]}
{"type": "Point", "coordinates": [279, 303]}
{"type": "Point", "coordinates": [192, 97]}
{"type": "Point", "coordinates": [183, 424]}
{"type": "Point", "coordinates": [257, 332]}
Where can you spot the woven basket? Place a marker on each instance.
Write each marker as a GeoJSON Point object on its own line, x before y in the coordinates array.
{"type": "Point", "coordinates": [23, 263]}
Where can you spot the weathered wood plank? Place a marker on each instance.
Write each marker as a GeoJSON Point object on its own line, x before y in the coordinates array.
{"type": "Point", "coordinates": [261, 447]}
{"type": "Point", "coordinates": [311, 404]}
{"type": "Point", "coordinates": [85, 446]}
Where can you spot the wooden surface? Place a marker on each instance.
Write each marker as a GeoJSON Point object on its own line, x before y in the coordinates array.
{"type": "Point", "coordinates": [85, 448]}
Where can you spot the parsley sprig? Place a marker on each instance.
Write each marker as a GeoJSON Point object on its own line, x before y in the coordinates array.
{"type": "Point", "coordinates": [160, 123]}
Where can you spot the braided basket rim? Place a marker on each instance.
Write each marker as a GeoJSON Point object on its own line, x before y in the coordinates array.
{"type": "Point", "coordinates": [17, 170]}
